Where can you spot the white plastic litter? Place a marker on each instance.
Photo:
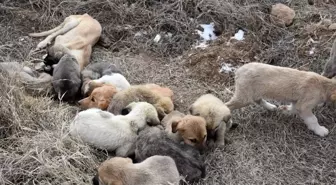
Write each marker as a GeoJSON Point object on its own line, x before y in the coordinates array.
{"type": "Point", "coordinates": [202, 45]}
{"type": "Point", "coordinates": [157, 38]}
{"type": "Point", "coordinates": [312, 51]}
{"type": "Point", "coordinates": [239, 35]}
{"type": "Point", "coordinates": [227, 68]}
{"type": "Point", "coordinates": [208, 32]}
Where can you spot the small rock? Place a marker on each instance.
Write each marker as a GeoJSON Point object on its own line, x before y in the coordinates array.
{"type": "Point", "coordinates": [332, 26]}
{"type": "Point", "coordinates": [283, 15]}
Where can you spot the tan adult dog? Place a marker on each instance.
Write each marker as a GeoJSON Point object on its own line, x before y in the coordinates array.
{"type": "Point", "coordinates": [255, 82]}
{"type": "Point", "coordinates": [70, 53]}
{"type": "Point", "coordinates": [75, 36]}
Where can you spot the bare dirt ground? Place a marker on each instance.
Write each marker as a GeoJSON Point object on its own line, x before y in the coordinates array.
{"type": "Point", "coordinates": [267, 147]}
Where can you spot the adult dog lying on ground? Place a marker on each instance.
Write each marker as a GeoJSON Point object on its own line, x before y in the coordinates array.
{"type": "Point", "coordinates": [99, 98]}
{"type": "Point", "coordinates": [114, 133]}
{"type": "Point", "coordinates": [163, 105]}
{"type": "Point", "coordinates": [329, 70]}
{"type": "Point", "coordinates": [187, 128]}
{"type": "Point", "coordinates": [216, 114]}
{"type": "Point", "coordinates": [160, 170]}
{"type": "Point", "coordinates": [154, 141]}
{"type": "Point", "coordinates": [304, 90]}
{"type": "Point", "coordinates": [95, 71]}
{"type": "Point", "coordinates": [75, 36]}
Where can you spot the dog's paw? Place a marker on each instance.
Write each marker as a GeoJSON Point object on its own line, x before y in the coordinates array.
{"type": "Point", "coordinates": [321, 131]}
{"type": "Point", "coordinates": [42, 45]}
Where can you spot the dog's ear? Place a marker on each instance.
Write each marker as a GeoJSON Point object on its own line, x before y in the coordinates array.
{"type": "Point", "coordinates": [227, 118]}
{"type": "Point", "coordinates": [95, 180]}
{"type": "Point", "coordinates": [175, 125]}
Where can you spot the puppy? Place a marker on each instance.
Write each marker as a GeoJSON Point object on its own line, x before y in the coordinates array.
{"type": "Point", "coordinates": [304, 90]}
{"type": "Point", "coordinates": [117, 80]}
{"type": "Point", "coordinates": [216, 114]}
{"type": "Point", "coordinates": [113, 133]}
{"type": "Point", "coordinates": [160, 170]}
{"type": "Point", "coordinates": [187, 128]}
{"type": "Point", "coordinates": [66, 78]}
{"type": "Point", "coordinates": [329, 70]}
{"type": "Point", "coordinates": [99, 98]}
{"type": "Point", "coordinates": [163, 91]}
{"type": "Point", "coordinates": [75, 36]}
{"type": "Point", "coordinates": [120, 100]}
{"type": "Point", "coordinates": [153, 141]}
{"type": "Point", "coordinates": [97, 70]}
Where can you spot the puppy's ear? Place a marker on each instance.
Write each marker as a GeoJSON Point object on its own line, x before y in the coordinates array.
{"type": "Point", "coordinates": [95, 180]}
{"type": "Point", "coordinates": [175, 125]}
{"type": "Point", "coordinates": [226, 119]}
{"type": "Point", "coordinates": [190, 110]}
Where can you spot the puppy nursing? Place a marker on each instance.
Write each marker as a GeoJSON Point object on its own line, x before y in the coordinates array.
{"type": "Point", "coordinates": [163, 105]}
{"type": "Point", "coordinates": [187, 128]}
{"type": "Point", "coordinates": [304, 90]}
{"type": "Point", "coordinates": [216, 114]}
{"type": "Point", "coordinates": [114, 133]}
{"type": "Point", "coordinates": [99, 98]}
{"type": "Point", "coordinates": [101, 73]}
{"type": "Point", "coordinates": [160, 170]}
{"type": "Point", "coordinates": [153, 141]}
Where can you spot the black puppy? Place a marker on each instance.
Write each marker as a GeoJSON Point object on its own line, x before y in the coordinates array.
{"type": "Point", "coordinates": [154, 141]}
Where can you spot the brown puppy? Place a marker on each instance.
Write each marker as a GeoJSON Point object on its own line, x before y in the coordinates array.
{"type": "Point", "coordinates": [163, 105]}
{"type": "Point", "coordinates": [99, 98]}
{"type": "Point", "coordinates": [75, 36]}
{"type": "Point", "coordinates": [155, 170]}
{"type": "Point", "coordinates": [187, 128]}
{"type": "Point", "coordinates": [216, 114]}
{"type": "Point", "coordinates": [163, 91]}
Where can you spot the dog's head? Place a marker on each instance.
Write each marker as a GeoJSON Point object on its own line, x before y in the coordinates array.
{"type": "Point", "coordinates": [164, 106]}
{"type": "Point", "coordinates": [66, 78]}
{"type": "Point", "coordinates": [112, 171]}
{"type": "Point", "coordinates": [192, 129]}
{"type": "Point", "coordinates": [99, 98]}
{"type": "Point", "coordinates": [149, 110]}
{"type": "Point", "coordinates": [90, 86]}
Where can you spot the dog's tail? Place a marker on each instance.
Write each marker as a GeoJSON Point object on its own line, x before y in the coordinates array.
{"type": "Point", "coordinates": [45, 33]}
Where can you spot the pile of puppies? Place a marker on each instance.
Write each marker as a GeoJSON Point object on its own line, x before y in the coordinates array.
{"type": "Point", "coordinates": [139, 121]}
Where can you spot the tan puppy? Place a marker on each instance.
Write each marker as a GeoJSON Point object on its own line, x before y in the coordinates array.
{"type": "Point", "coordinates": [187, 128]}
{"type": "Point", "coordinates": [216, 114]}
{"type": "Point", "coordinates": [304, 90]}
{"type": "Point", "coordinates": [155, 170]}
{"type": "Point", "coordinates": [329, 70]}
{"type": "Point", "coordinates": [163, 91]}
{"type": "Point", "coordinates": [163, 105]}
{"type": "Point", "coordinates": [99, 98]}
{"type": "Point", "coordinates": [75, 36]}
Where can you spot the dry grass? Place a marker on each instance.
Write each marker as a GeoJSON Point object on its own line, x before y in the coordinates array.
{"type": "Point", "coordinates": [267, 148]}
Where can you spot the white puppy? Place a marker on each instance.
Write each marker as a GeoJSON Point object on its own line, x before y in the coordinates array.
{"type": "Point", "coordinates": [115, 79]}
{"type": "Point", "coordinates": [114, 133]}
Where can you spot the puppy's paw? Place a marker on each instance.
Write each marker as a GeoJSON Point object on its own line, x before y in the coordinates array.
{"type": "Point", "coordinates": [221, 144]}
{"type": "Point", "coordinates": [321, 131]}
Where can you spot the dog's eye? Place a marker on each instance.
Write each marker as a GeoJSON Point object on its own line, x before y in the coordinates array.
{"type": "Point", "coordinates": [93, 100]}
{"type": "Point", "coordinates": [193, 140]}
